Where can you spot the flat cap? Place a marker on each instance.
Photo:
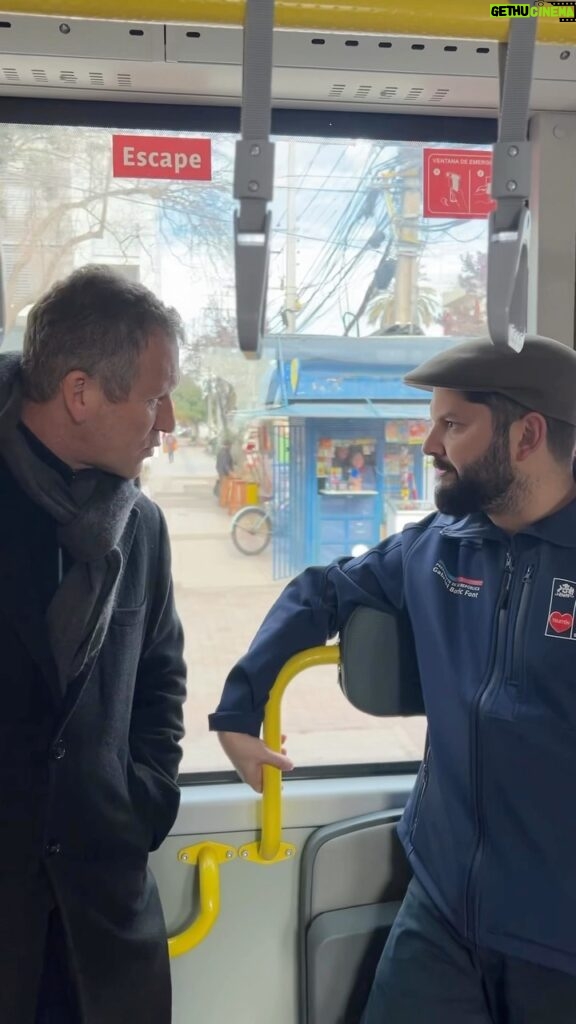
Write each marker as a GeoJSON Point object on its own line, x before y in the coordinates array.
{"type": "Point", "coordinates": [542, 377]}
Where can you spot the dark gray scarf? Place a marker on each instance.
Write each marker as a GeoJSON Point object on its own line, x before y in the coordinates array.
{"type": "Point", "coordinates": [92, 512]}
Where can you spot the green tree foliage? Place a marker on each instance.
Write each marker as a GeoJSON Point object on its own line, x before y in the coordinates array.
{"type": "Point", "coordinates": [189, 403]}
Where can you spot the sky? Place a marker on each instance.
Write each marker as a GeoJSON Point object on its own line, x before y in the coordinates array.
{"type": "Point", "coordinates": [320, 188]}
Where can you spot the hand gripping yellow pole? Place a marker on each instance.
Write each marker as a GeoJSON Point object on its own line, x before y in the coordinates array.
{"type": "Point", "coordinates": [207, 856]}
{"type": "Point", "coordinates": [271, 849]}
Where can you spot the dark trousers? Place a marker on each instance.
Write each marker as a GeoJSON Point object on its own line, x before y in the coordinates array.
{"type": "Point", "coordinates": [429, 975]}
{"type": "Point", "coordinates": [57, 998]}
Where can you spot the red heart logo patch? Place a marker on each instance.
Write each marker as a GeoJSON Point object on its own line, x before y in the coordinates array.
{"type": "Point", "coordinates": [561, 623]}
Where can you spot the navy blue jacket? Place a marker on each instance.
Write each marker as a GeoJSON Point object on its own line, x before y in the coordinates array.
{"type": "Point", "coordinates": [490, 829]}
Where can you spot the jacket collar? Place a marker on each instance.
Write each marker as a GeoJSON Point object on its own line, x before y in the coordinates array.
{"type": "Point", "coordinates": [559, 528]}
{"type": "Point", "coordinates": [475, 527]}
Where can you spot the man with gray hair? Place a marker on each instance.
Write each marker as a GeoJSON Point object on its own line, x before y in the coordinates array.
{"type": "Point", "coordinates": [486, 933]}
{"type": "Point", "coordinates": [93, 678]}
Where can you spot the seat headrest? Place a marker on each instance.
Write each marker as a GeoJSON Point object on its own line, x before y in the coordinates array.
{"type": "Point", "coordinates": [378, 666]}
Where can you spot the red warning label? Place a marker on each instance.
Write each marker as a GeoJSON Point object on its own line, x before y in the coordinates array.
{"type": "Point", "coordinates": [457, 183]}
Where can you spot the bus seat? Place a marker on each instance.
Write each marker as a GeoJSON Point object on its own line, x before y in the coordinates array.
{"type": "Point", "coordinates": [354, 873]}
{"type": "Point", "coordinates": [378, 666]}
{"type": "Point", "coordinates": [353, 877]}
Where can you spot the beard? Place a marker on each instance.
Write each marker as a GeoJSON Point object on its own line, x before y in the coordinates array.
{"type": "Point", "coordinates": [486, 485]}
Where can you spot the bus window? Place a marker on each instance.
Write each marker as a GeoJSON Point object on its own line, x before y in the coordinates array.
{"type": "Point", "coordinates": [320, 437]}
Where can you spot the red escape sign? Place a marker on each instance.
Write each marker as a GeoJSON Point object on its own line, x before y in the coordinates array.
{"type": "Point", "coordinates": [156, 156]}
{"type": "Point", "coordinates": [457, 183]}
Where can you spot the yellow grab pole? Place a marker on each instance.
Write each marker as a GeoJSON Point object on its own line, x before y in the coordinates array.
{"type": "Point", "coordinates": [460, 19]}
{"type": "Point", "coordinates": [270, 847]}
{"type": "Point", "coordinates": [207, 856]}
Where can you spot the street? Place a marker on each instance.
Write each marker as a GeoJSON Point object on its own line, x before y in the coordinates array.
{"type": "Point", "coordinates": [222, 596]}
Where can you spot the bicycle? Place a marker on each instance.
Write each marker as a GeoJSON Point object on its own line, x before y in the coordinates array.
{"type": "Point", "coordinates": [252, 529]}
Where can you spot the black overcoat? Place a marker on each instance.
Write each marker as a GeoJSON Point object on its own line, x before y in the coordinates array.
{"type": "Point", "coordinates": [88, 782]}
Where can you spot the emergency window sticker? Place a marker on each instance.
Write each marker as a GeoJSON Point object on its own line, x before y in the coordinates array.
{"type": "Point", "coordinates": [562, 609]}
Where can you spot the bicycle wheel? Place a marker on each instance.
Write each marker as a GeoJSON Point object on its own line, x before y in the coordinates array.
{"type": "Point", "coordinates": [251, 530]}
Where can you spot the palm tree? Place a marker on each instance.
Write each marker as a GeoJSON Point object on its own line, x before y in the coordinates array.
{"type": "Point", "coordinates": [428, 308]}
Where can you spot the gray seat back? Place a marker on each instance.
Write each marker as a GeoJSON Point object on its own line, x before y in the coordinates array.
{"type": "Point", "coordinates": [378, 666]}
{"type": "Point", "coordinates": [353, 877]}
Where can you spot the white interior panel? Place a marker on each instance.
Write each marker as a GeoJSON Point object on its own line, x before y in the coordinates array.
{"type": "Point", "coordinates": [202, 64]}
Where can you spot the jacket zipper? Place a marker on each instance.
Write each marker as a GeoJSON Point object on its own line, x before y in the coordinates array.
{"type": "Point", "coordinates": [518, 638]}
{"type": "Point", "coordinates": [422, 790]}
{"type": "Point", "coordinates": [499, 649]}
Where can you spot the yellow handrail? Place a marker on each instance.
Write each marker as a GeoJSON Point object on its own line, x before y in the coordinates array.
{"type": "Point", "coordinates": [460, 19]}
{"type": "Point", "coordinates": [207, 856]}
{"type": "Point", "coordinates": [271, 838]}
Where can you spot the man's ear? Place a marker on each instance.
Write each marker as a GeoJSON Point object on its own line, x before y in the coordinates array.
{"type": "Point", "coordinates": [528, 435]}
{"type": "Point", "coordinates": [81, 394]}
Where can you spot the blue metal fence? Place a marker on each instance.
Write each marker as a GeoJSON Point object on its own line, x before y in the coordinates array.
{"type": "Point", "coordinates": [289, 499]}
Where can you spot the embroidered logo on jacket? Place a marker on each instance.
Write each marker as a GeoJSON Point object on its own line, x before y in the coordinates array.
{"type": "Point", "coordinates": [462, 586]}
{"type": "Point", "coordinates": [562, 610]}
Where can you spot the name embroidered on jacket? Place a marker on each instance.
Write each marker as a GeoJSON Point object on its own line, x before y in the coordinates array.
{"type": "Point", "coordinates": [461, 586]}
{"type": "Point", "coordinates": [562, 609]}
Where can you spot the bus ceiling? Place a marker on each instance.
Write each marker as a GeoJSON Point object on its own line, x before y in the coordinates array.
{"type": "Point", "coordinates": [470, 19]}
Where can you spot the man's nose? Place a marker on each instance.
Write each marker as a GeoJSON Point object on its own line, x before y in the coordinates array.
{"type": "Point", "coordinates": [165, 420]}
{"type": "Point", "coordinates": [433, 445]}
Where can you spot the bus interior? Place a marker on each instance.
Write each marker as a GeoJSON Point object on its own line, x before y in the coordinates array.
{"type": "Point", "coordinates": [117, 135]}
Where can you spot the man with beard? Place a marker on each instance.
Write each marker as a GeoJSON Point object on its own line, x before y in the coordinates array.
{"type": "Point", "coordinates": [486, 933]}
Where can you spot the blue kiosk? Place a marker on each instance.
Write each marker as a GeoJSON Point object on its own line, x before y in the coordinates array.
{"type": "Point", "coordinates": [345, 437]}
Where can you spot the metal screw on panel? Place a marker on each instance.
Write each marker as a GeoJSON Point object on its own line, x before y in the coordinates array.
{"type": "Point", "coordinates": [64, 29]}
{"type": "Point", "coordinates": [229, 854]}
{"type": "Point", "coordinates": [513, 150]}
{"type": "Point", "coordinates": [565, 55]}
{"type": "Point", "coordinates": [244, 853]}
{"type": "Point", "coordinates": [253, 186]}
{"type": "Point", "coordinates": [288, 853]}
{"type": "Point", "coordinates": [254, 150]}
{"type": "Point", "coordinates": [184, 856]}
{"type": "Point", "coordinates": [511, 186]}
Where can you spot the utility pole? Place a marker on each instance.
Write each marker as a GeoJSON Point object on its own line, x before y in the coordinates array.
{"type": "Point", "coordinates": [291, 297]}
{"type": "Point", "coordinates": [408, 249]}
